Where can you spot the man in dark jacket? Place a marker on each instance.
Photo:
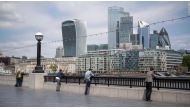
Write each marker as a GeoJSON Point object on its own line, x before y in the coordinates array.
{"type": "Point", "coordinates": [58, 78]}
{"type": "Point", "coordinates": [149, 80]}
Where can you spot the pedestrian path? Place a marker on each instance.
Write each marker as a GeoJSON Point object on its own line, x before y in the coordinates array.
{"type": "Point", "coordinates": [11, 96]}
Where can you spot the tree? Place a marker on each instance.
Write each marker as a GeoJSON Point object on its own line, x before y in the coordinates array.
{"type": "Point", "coordinates": [54, 67]}
{"type": "Point", "coordinates": [186, 61]}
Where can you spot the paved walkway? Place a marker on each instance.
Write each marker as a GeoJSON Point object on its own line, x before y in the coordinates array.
{"type": "Point", "coordinates": [11, 96]}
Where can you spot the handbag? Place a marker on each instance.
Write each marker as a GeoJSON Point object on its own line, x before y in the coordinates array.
{"type": "Point", "coordinates": [85, 80]}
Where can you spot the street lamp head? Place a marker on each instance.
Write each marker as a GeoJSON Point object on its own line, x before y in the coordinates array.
{"type": "Point", "coordinates": [39, 36]}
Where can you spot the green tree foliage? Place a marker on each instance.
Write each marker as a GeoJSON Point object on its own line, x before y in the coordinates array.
{"type": "Point", "coordinates": [186, 61]}
{"type": "Point", "coordinates": [53, 67]}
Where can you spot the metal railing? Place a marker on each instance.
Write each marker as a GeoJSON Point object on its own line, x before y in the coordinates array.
{"type": "Point", "coordinates": [170, 83]}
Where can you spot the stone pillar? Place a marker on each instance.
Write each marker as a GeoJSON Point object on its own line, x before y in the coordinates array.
{"type": "Point", "coordinates": [36, 80]}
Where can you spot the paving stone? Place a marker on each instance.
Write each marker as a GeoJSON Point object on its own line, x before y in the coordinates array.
{"type": "Point", "coordinates": [11, 96]}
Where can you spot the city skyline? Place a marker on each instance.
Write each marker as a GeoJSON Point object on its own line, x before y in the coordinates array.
{"type": "Point", "coordinates": [18, 26]}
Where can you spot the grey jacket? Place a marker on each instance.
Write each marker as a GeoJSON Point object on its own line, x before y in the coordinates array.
{"type": "Point", "coordinates": [149, 76]}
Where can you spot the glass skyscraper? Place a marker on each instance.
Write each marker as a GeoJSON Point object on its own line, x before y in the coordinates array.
{"type": "Point", "coordinates": [154, 40]}
{"type": "Point", "coordinates": [114, 15]}
{"type": "Point", "coordinates": [134, 39]}
{"type": "Point", "coordinates": [144, 33]}
{"type": "Point", "coordinates": [163, 39]}
{"type": "Point", "coordinates": [126, 28]}
{"type": "Point", "coordinates": [74, 33]}
{"type": "Point", "coordinates": [59, 52]}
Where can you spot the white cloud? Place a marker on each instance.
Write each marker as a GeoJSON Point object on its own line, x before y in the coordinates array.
{"type": "Point", "coordinates": [4, 24]}
{"type": "Point", "coordinates": [30, 17]}
{"type": "Point", "coordinates": [182, 45]}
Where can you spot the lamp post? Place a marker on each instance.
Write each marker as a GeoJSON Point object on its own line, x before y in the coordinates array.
{"type": "Point", "coordinates": [38, 68]}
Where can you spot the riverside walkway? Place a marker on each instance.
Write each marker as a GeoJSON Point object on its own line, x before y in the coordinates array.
{"type": "Point", "coordinates": [11, 96]}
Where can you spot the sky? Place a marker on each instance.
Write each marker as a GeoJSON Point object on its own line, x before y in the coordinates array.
{"type": "Point", "coordinates": [20, 21]}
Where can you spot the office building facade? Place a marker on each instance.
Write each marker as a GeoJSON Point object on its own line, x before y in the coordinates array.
{"type": "Point", "coordinates": [154, 39]}
{"type": "Point", "coordinates": [114, 17]}
{"type": "Point", "coordinates": [172, 58]}
{"type": "Point", "coordinates": [126, 28]}
{"type": "Point", "coordinates": [59, 52]}
{"type": "Point", "coordinates": [103, 47]}
{"type": "Point", "coordinates": [74, 33]}
{"type": "Point", "coordinates": [134, 39]}
{"type": "Point", "coordinates": [1, 53]}
{"type": "Point", "coordinates": [92, 47]}
{"type": "Point", "coordinates": [144, 33]}
{"type": "Point", "coordinates": [163, 39]}
{"type": "Point", "coordinates": [152, 58]}
{"type": "Point", "coordinates": [97, 47]}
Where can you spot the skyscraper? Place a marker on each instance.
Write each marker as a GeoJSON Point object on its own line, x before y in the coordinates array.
{"type": "Point", "coordinates": [74, 34]}
{"type": "Point", "coordinates": [144, 33]}
{"type": "Point", "coordinates": [163, 39]}
{"type": "Point", "coordinates": [154, 39]}
{"type": "Point", "coordinates": [126, 28]}
{"type": "Point", "coordinates": [59, 52]}
{"type": "Point", "coordinates": [1, 53]}
{"type": "Point", "coordinates": [114, 15]}
{"type": "Point", "coordinates": [134, 39]}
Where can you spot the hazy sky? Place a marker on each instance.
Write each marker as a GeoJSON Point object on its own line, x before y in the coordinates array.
{"type": "Point", "coordinates": [20, 21]}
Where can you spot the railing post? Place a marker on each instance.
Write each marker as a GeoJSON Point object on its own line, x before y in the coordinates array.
{"type": "Point", "coordinates": [189, 84]}
{"type": "Point", "coordinates": [157, 84]}
{"type": "Point", "coordinates": [108, 82]}
{"type": "Point", "coordinates": [95, 81]}
{"type": "Point", "coordinates": [45, 79]}
{"type": "Point", "coordinates": [130, 83]}
{"type": "Point", "coordinates": [79, 80]}
{"type": "Point", "coordinates": [54, 79]}
{"type": "Point", "coordinates": [66, 79]}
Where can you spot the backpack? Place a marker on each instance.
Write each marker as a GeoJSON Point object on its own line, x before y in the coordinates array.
{"type": "Point", "coordinates": [19, 75]}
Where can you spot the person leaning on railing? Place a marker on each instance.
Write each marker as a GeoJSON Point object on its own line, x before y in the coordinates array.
{"type": "Point", "coordinates": [58, 78]}
{"type": "Point", "coordinates": [18, 79]}
{"type": "Point", "coordinates": [87, 77]}
{"type": "Point", "coordinates": [21, 79]}
{"type": "Point", "coordinates": [148, 81]}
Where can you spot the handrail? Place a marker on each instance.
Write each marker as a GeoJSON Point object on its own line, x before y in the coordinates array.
{"type": "Point", "coordinates": [158, 82]}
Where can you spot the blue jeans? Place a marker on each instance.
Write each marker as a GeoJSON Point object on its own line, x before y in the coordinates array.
{"type": "Point", "coordinates": [87, 88]}
{"type": "Point", "coordinates": [17, 81]}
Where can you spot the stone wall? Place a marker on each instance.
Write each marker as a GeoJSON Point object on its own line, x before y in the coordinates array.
{"type": "Point", "coordinates": [11, 80]}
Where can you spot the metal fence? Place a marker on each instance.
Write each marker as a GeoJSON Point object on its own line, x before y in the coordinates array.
{"type": "Point", "coordinates": [170, 83]}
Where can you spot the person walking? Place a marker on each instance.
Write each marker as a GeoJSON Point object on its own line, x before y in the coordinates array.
{"type": "Point", "coordinates": [87, 77]}
{"type": "Point", "coordinates": [18, 77]}
{"type": "Point", "coordinates": [148, 82]}
{"type": "Point", "coordinates": [58, 78]}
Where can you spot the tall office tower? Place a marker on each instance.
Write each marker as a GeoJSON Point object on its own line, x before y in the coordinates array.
{"type": "Point", "coordinates": [74, 34]}
{"type": "Point", "coordinates": [92, 47]}
{"type": "Point", "coordinates": [114, 15]}
{"type": "Point", "coordinates": [126, 28]}
{"type": "Point", "coordinates": [59, 52]}
{"type": "Point", "coordinates": [163, 39]}
{"type": "Point", "coordinates": [1, 53]}
{"type": "Point", "coordinates": [134, 39]}
{"type": "Point", "coordinates": [154, 39]}
{"type": "Point", "coordinates": [144, 33]}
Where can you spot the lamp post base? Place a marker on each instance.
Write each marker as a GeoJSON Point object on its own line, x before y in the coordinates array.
{"type": "Point", "coordinates": [38, 69]}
